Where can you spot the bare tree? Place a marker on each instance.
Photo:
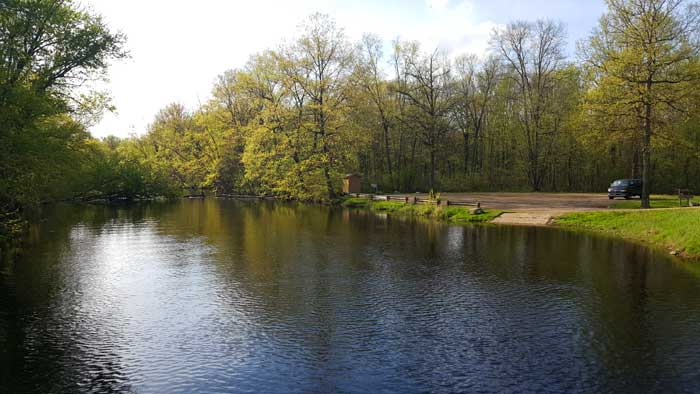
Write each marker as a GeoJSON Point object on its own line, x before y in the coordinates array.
{"type": "Point", "coordinates": [532, 53]}
{"type": "Point", "coordinates": [475, 84]}
{"type": "Point", "coordinates": [373, 81]}
{"type": "Point", "coordinates": [428, 88]}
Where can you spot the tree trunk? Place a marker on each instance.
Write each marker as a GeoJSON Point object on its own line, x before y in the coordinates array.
{"type": "Point", "coordinates": [388, 154]}
{"type": "Point", "coordinates": [432, 168]}
{"type": "Point", "coordinates": [466, 153]}
{"type": "Point", "coordinates": [646, 155]}
{"type": "Point", "coordinates": [476, 154]}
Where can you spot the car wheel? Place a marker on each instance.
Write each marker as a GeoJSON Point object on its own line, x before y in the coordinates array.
{"type": "Point", "coordinates": [627, 197]}
{"type": "Point", "coordinates": [611, 197]}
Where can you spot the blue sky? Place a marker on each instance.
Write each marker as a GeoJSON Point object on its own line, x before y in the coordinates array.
{"type": "Point", "coordinates": [178, 47]}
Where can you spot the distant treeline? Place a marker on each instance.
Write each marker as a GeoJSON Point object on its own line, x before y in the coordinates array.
{"type": "Point", "coordinates": [298, 117]}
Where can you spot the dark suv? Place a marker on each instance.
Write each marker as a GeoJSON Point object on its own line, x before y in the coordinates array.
{"type": "Point", "coordinates": [626, 188]}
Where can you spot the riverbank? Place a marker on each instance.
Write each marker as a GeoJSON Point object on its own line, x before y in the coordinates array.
{"type": "Point", "coordinates": [656, 201]}
{"type": "Point", "coordinates": [676, 231]}
{"type": "Point", "coordinates": [450, 214]}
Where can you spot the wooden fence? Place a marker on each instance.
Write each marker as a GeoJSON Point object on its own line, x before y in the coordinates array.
{"type": "Point", "coordinates": [687, 195]}
{"type": "Point", "coordinates": [245, 197]}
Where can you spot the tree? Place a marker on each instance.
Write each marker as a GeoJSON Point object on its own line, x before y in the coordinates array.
{"type": "Point", "coordinates": [532, 52]}
{"type": "Point", "coordinates": [324, 60]}
{"type": "Point", "coordinates": [376, 89]}
{"type": "Point", "coordinates": [428, 89]}
{"type": "Point", "coordinates": [300, 141]}
{"type": "Point", "coordinates": [474, 92]}
{"type": "Point", "coordinates": [47, 49]}
{"type": "Point", "coordinates": [642, 61]}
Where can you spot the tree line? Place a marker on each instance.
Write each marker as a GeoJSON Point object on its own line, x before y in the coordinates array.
{"type": "Point", "coordinates": [296, 118]}
{"type": "Point", "coordinates": [524, 117]}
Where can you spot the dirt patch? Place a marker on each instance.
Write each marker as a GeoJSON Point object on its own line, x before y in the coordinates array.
{"type": "Point", "coordinates": [524, 218]}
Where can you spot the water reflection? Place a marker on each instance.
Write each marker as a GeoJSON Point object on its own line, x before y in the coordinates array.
{"type": "Point", "coordinates": [224, 296]}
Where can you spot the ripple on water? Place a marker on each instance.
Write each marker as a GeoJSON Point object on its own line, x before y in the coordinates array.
{"type": "Point", "coordinates": [215, 296]}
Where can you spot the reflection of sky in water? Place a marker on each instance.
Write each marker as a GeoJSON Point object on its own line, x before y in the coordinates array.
{"type": "Point", "coordinates": [455, 238]}
{"type": "Point", "coordinates": [155, 295]}
{"type": "Point", "coordinates": [224, 296]}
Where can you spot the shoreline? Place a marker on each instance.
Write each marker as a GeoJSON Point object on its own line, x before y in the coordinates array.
{"type": "Point", "coordinates": [669, 230]}
{"type": "Point", "coordinates": [447, 214]}
{"type": "Point", "coordinates": [666, 230]}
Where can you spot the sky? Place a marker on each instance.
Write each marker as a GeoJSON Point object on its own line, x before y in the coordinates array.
{"type": "Point", "coordinates": [178, 47]}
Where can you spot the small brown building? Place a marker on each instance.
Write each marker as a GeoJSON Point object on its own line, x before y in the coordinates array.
{"type": "Point", "coordinates": [351, 184]}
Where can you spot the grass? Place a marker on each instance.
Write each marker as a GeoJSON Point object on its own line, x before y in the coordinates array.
{"type": "Point", "coordinates": [354, 202]}
{"type": "Point", "coordinates": [670, 230]}
{"type": "Point", "coordinates": [446, 214]}
{"type": "Point", "coordinates": [657, 201]}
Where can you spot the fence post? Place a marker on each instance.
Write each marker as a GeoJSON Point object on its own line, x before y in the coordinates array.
{"type": "Point", "coordinates": [415, 200]}
{"type": "Point", "coordinates": [478, 204]}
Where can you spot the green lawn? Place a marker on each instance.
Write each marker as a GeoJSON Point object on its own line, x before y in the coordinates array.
{"type": "Point", "coordinates": [448, 214]}
{"type": "Point", "coordinates": [670, 230]}
{"type": "Point", "coordinates": [657, 201]}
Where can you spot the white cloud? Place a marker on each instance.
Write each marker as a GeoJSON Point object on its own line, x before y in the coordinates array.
{"type": "Point", "coordinates": [179, 47]}
{"type": "Point", "coordinates": [437, 4]}
{"type": "Point", "coordinates": [456, 28]}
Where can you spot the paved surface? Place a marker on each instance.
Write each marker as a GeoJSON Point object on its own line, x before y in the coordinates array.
{"type": "Point", "coordinates": [551, 203]}
{"type": "Point", "coordinates": [532, 209]}
{"type": "Point", "coordinates": [525, 218]}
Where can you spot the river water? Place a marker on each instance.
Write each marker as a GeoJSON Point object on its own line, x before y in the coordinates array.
{"type": "Point", "coordinates": [225, 296]}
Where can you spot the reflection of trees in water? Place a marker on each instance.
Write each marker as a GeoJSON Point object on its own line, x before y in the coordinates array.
{"type": "Point", "coordinates": [308, 279]}
{"type": "Point", "coordinates": [291, 274]}
{"type": "Point", "coordinates": [621, 296]}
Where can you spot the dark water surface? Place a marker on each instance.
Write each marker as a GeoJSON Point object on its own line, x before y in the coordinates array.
{"type": "Point", "coordinates": [223, 296]}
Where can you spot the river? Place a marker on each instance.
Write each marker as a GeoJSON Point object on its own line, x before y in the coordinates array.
{"type": "Point", "coordinates": [262, 297]}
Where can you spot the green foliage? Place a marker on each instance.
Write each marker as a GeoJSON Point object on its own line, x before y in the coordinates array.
{"type": "Point", "coordinates": [355, 202]}
{"type": "Point", "coordinates": [47, 47]}
{"type": "Point", "coordinates": [447, 214]}
{"type": "Point", "coordinates": [642, 64]}
{"type": "Point", "coordinates": [461, 215]}
{"type": "Point", "coordinates": [112, 172]}
{"type": "Point", "coordinates": [294, 120]}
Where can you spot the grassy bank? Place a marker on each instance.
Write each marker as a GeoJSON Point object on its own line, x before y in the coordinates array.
{"type": "Point", "coordinates": [447, 214]}
{"type": "Point", "coordinates": [674, 230]}
{"type": "Point", "coordinates": [657, 201]}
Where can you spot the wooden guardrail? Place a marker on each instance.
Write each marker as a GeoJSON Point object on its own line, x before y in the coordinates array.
{"type": "Point", "coordinates": [687, 195]}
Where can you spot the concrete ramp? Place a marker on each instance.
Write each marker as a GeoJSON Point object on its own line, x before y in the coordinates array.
{"type": "Point", "coordinates": [524, 218]}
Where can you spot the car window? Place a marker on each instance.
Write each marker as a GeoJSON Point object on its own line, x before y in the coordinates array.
{"type": "Point", "coordinates": [620, 182]}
